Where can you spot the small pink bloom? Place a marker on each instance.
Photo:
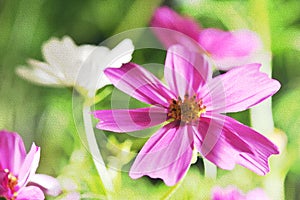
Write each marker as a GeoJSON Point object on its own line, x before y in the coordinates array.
{"type": "Point", "coordinates": [227, 48]}
{"type": "Point", "coordinates": [17, 170]}
{"type": "Point", "coordinates": [190, 107]}
{"type": "Point", "coordinates": [232, 193]}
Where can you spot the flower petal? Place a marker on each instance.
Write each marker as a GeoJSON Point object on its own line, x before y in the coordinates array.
{"type": "Point", "coordinates": [38, 76]}
{"type": "Point", "coordinates": [166, 155]}
{"type": "Point", "coordinates": [91, 74]}
{"type": "Point", "coordinates": [238, 89]}
{"type": "Point", "coordinates": [185, 71]}
{"type": "Point", "coordinates": [229, 193]}
{"type": "Point", "coordinates": [175, 28]}
{"type": "Point", "coordinates": [262, 147]}
{"type": "Point", "coordinates": [217, 144]}
{"type": "Point", "coordinates": [127, 120]}
{"type": "Point", "coordinates": [3, 183]}
{"type": "Point", "coordinates": [30, 193]}
{"type": "Point", "coordinates": [257, 193]}
{"type": "Point", "coordinates": [47, 184]}
{"type": "Point", "coordinates": [12, 151]}
{"type": "Point", "coordinates": [62, 56]}
{"type": "Point", "coordinates": [140, 84]}
{"type": "Point", "coordinates": [229, 48]}
{"type": "Point", "coordinates": [121, 54]}
{"type": "Point", "coordinates": [225, 142]}
{"type": "Point", "coordinates": [29, 165]}
{"type": "Point", "coordinates": [72, 195]}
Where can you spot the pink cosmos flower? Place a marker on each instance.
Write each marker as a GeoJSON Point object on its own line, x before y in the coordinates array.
{"type": "Point", "coordinates": [190, 110]}
{"type": "Point", "coordinates": [18, 180]}
{"type": "Point", "coordinates": [227, 49]}
{"type": "Point", "coordinates": [232, 193]}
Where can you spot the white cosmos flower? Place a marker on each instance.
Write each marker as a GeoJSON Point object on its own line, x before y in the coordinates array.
{"type": "Point", "coordinates": [81, 67]}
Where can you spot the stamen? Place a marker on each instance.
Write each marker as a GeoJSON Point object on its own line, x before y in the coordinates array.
{"type": "Point", "coordinates": [12, 182]}
{"type": "Point", "coordinates": [15, 195]}
{"type": "Point", "coordinates": [188, 110]}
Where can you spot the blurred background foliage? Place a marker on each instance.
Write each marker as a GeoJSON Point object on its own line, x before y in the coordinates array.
{"type": "Point", "coordinates": [46, 115]}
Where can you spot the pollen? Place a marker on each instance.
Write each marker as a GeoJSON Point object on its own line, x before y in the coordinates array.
{"type": "Point", "coordinates": [188, 110]}
{"type": "Point", "coordinates": [11, 182]}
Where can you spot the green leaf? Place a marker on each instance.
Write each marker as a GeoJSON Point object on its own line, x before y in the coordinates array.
{"type": "Point", "coordinates": [138, 15]}
{"type": "Point", "coordinates": [287, 118]}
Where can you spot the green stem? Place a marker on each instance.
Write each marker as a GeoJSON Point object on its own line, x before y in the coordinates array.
{"type": "Point", "coordinates": [99, 97]}
{"type": "Point", "coordinates": [210, 170]}
{"type": "Point", "coordinates": [261, 115]}
{"type": "Point", "coordinates": [172, 190]}
{"type": "Point", "coordinates": [275, 185]}
{"type": "Point", "coordinates": [93, 147]}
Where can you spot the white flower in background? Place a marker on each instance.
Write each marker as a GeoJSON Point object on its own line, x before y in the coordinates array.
{"type": "Point", "coordinates": [81, 67]}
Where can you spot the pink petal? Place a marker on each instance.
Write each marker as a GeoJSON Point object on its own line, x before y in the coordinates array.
{"type": "Point", "coordinates": [257, 194]}
{"type": "Point", "coordinates": [233, 143]}
{"type": "Point", "coordinates": [229, 193]}
{"type": "Point", "coordinates": [166, 155]}
{"type": "Point", "coordinates": [47, 184]}
{"type": "Point", "coordinates": [140, 84]}
{"type": "Point", "coordinates": [229, 48]}
{"type": "Point", "coordinates": [263, 148]}
{"type": "Point", "coordinates": [186, 71]}
{"type": "Point", "coordinates": [3, 183]}
{"type": "Point", "coordinates": [72, 196]}
{"type": "Point", "coordinates": [30, 193]}
{"type": "Point", "coordinates": [12, 151]}
{"type": "Point", "coordinates": [238, 89]}
{"type": "Point", "coordinates": [128, 120]}
{"type": "Point", "coordinates": [29, 165]}
{"type": "Point", "coordinates": [217, 144]}
{"type": "Point", "coordinates": [175, 28]}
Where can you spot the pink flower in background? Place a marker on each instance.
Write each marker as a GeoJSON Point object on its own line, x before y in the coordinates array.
{"type": "Point", "coordinates": [226, 48]}
{"type": "Point", "coordinates": [232, 193]}
{"type": "Point", "coordinates": [190, 109]}
{"type": "Point", "coordinates": [18, 180]}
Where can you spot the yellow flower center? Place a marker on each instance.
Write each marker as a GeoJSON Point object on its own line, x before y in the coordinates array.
{"type": "Point", "coordinates": [12, 182]}
{"type": "Point", "coordinates": [188, 110]}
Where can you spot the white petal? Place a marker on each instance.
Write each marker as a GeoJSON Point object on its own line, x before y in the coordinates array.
{"type": "Point", "coordinates": [48, 184]}
{"type": "Point", "coordinates": [77, 66]}
{"type": "Point", "coordinates": [84, 51]}
{"type": "Point", "coordinates": [35, 64]}
{"type": "Point", "coordinates": [63, 57]}
{"type": "Point", "coordinates": [103, 81]}
{"type": "Point", "coordinates": [37, 76]}
{"type": "Point", "coordinates": [121, 54]}
{"type": "Point", "coordinates": [91, 76]}
{"type": "Point", "coordinates": [91, 69]}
